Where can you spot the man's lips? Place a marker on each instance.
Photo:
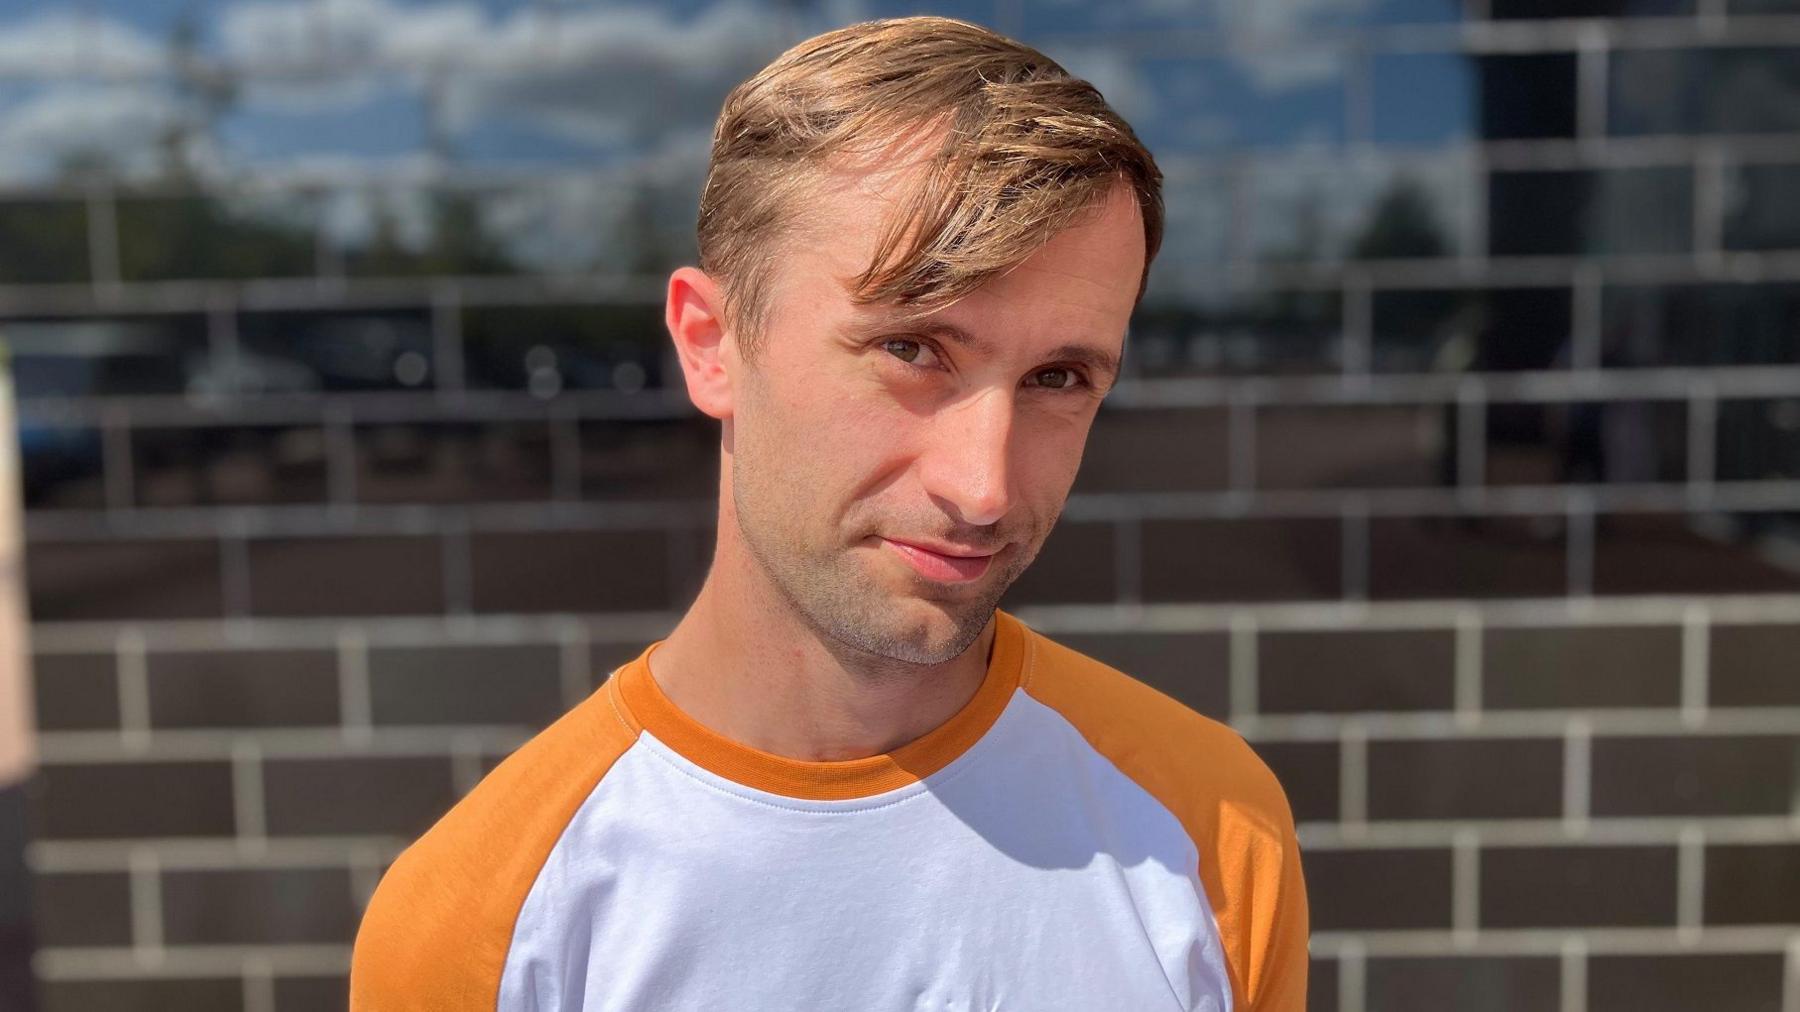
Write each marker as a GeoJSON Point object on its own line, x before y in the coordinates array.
{"type": "Point", "coordinates": [938, 564]}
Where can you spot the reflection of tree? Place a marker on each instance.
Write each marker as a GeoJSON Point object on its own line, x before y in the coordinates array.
{"type": "Point", "coordinates": [1402, 225]}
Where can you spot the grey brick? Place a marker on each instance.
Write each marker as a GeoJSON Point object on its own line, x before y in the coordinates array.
{"type": "Point", "coordinates": [397, 795]}
{"type": "Point", "coordinates": [93, 800]}
{"type": "Point", "coordinates": [1340, 671]}
{"type": "Point", "coordinates": [147, 994]}
{"type": "Point", "coordinates": [258, 906]}
{"type": "Point", "coordinates": [1574, 666]}
{"type": "Point", "coordinates": [75, 692]}
{"type": "Point", "coordinates": [1242, 560]}
{"type": "Point", "coordinates": [465, 684]}
{"type": "Point", "coordinates": [570, 571]}
{"type": "Point", "coordinates": [1755, 665]}
{"type": "Point", "coordinates": [81, 908]}
{"type": "Point", "coordinates": [1753, 884]}
{"type": "Point", "coordinates": [1752, 775]}
{"type": "Point", "coordinates": [1076, 564]}
{"type": "Point", "coordinates": [123, 579]}
{"type": "Point", "coordinates": [1378, 890]}
{"type": "Point", "coordinates": [1463, 983]}
{"type": "Point", "coordinates": [1564, 887]}
{"type": "Point", "coordinates": [1195, 668]}
{"type": "Point", "coordinates": [346, 576]}
{"type": "Point", "coordinates": [243, 688]}
{"type": "Point", "coordinates": [1500, 778]}
{"type": "Point", "coordinates": [1723, 982]}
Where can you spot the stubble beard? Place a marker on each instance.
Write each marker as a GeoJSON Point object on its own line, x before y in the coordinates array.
{"type": "Point", "coordinates": [838, 599]}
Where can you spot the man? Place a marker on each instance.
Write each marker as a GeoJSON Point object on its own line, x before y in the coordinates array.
{"type": "Point", "coordinates": [845, 781]}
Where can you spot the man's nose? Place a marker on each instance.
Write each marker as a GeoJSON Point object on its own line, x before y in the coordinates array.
{"type": "Point", "coordinates": [966, 466]}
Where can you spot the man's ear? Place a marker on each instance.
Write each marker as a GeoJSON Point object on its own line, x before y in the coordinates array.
{"type": "Point", "coordinates": [695, 315]}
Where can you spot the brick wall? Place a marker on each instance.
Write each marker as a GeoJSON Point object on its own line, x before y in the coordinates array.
{"type": "Point", "coordinates": [1458, 465]}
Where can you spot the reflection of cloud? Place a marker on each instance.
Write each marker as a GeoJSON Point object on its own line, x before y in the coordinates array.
{"type": "Point", "coordinates": [66, 42]}
{"type": "Point", "coordinates": [603, 76]}
{"type": "Point", "coordinates": [121, 127]}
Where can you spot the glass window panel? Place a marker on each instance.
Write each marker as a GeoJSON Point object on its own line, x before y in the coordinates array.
{"type": "Point", "coordinates": [60, 466]}
{"type": "Point", "coordinates": [650, 458]}
{"type": "Point", "coordinates": [103, 357]}
{"type": "Point", "coordinates": [78, 129]}
{"type": "Point", "coordinates": [228, 465]}
{"type": "Point", "coordinates": [344, 119]}
{"type": "Point", "coordinates": [128, 29]}
{"type": "Point", "coordinates": [1762, 207]}
{"type": "Point", "coordinates": [301, 351]}
{"type": "Point", "coordinates": [1702, 324]}
{"type": "Point", "coordinates": [217, 235]}
{"type": "Point", "coordinates": [1417, 209]}
{"type": "Point", "coordinates": [1280, 99]}
{"type": "Point", "coordinates": [1758, 440]}
{"type": "Point", "coordinates": [1585, 443]}
{"type": "Point", "coordinates": [1424, 98]}
{"type": "Point", "coordinates": [403, 231]}
{"type": "Point", "coordinates": [549, 349]}
{"type": "Point", "coordinates": [1185, 329]}
{"type": "Point", "coordinates": [1508, 9]}
{"type": "Point", "coordinates": [1081, 17]}
{"type": "Point", "coordinates": [1763, 6]}
{"type": "Point", "coordinates": [1495, 329]}
{"type": "Point", "coordinates": [453, 462]}
{"type": "Point", "coordinates": [43, 240]}
{"type": "Point", "coordinates": [1625, 211]}
{"type": "Point", "coordinates": [1707, 91]}
{"type": "Point", "coordinates": [1527, 96]}
{"type": "Point", "coordinates": [1466, 557]}
{"type": "Point", "coordinates": [1197, 215]}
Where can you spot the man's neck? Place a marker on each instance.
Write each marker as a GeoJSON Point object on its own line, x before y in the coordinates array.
{"type": "Point", "coordinates": [743, 664]}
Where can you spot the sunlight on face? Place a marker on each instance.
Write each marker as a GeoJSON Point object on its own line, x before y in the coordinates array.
{"type": "Point", "coordinates": [894, 478]}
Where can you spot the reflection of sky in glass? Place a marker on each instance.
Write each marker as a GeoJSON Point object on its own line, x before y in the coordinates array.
{"type": "Point", "coordinates": [1325, 211]}
{"type": "Point", "coordinates": [371, 119]}
{"type": "Point", "coordinates": [1266, 101]}
{"type": "Point", "coordinates": [1423, 98]}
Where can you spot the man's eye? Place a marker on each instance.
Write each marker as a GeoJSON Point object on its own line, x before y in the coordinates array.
{"type": "Point", "coordinates": [1055, 378]}
{"type": "Point", "coordinates": [903, 349]}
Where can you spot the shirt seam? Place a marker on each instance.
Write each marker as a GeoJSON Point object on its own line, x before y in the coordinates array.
{"type": "Point", "coordinates": [948, 774]}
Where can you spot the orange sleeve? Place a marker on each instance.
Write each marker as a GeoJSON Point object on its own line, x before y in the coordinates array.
{"type": "Point", "coordinates": [436, 932]}
{"type": "Point", "coordinates": [1224, 795]}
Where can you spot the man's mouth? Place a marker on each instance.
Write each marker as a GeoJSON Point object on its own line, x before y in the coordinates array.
{"type": "Point", "coordinates": [943, 563]}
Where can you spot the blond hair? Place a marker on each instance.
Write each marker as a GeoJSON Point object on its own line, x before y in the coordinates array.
{"type": "Point", "coordinates": [1025, 148]}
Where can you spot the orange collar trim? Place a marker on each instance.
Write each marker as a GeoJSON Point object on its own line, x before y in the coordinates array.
{"type": "Point", "coordinates": [642, 705]}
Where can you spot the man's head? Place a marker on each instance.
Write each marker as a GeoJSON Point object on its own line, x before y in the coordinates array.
{"type": "Point", "coordinates": [920, 245]}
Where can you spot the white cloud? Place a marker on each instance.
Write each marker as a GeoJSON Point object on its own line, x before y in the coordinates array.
{"type": "Point", "coordinates": [119, 125]}
{"type": "Point", "coordinates": [63, 42]}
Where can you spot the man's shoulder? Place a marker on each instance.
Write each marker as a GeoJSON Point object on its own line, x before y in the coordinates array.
{"type": "Point", "coordinates": [437, 929]}
{"type": "Point", "coordinates": [1198, 767]}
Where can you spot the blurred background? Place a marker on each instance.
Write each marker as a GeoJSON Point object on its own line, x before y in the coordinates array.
{"type": "Point", "coordinates": [1458, 463]}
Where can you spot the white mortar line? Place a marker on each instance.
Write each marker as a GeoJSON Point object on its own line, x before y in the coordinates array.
{"type": "Point", "coordinates": [1577, 774]}
{"type": "Point", "coordinates": [146, 909]}
{"type": "Point", "coordinates": [1466, 891]}
{"type": "Point", "coordinates": [1469, 637]}
{"type": "Point", "coordinates": [1353, 777]}
{"type": "Point", "coordinates": [355, 706]}
{"type": "Point", "coordinates": [1244, 687]}
{"type": "Point", "coordinates": [1690, 882]}
{"type": "Point", "coordinates": [1574, 975]}
{"type": "Point", "coordinates": [1696, 664]}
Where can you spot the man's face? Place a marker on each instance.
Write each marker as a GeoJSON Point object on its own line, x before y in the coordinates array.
{"type": "Point", "coordinates": [893, 478]}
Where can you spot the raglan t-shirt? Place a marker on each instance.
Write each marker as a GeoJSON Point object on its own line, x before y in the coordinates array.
{"type": "Point", "coordinates": [1070, 839]}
